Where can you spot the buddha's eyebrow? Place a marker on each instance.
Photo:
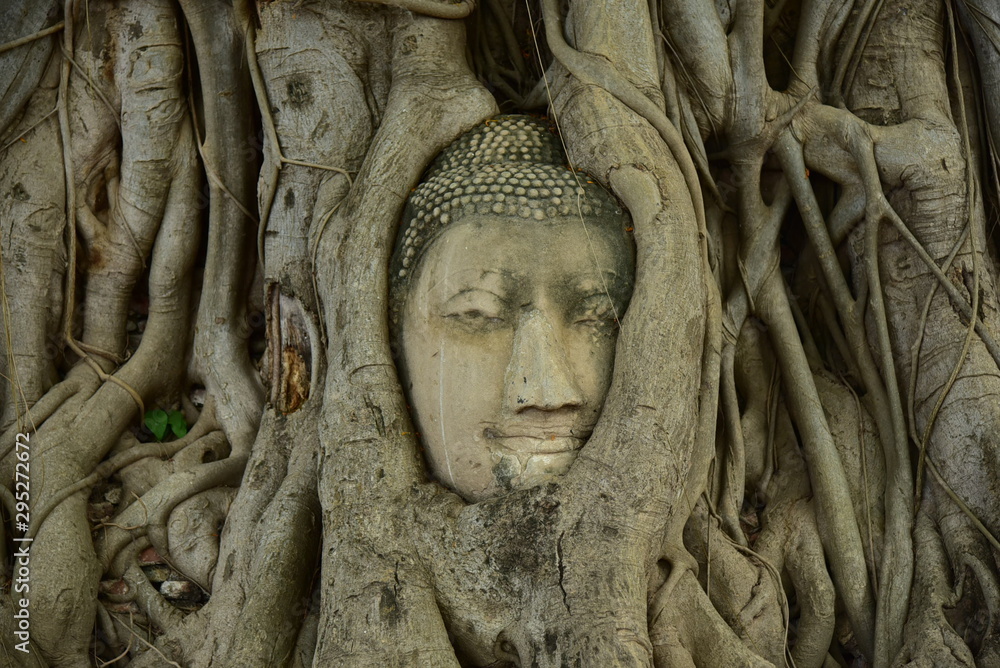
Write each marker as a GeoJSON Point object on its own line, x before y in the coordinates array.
{"type": "Point", "coordinates": [465, 291]}
{"type": "Point", "coordinates": [588, 283]}
{"type": "Point", "coordinates": [474, 283]}
{"type": "Point", "coordinates": [616, 287]}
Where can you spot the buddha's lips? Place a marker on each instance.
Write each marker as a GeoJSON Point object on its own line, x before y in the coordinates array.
{"type": "Point", "coordinates": [538, 441]}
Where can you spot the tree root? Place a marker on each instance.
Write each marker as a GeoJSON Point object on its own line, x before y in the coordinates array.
{"type": "Point", "coordinates": [694, 629]}
{"type": "Point", "coordinates": [50, 402]}
{"type": "Point", "coordinates": [440, 10]}
{"type": "Point", "coordinates": [929, 638]}
{"type": "Point", "coordinates": [220, 349]}
{"type": "Point", "coordinates": [163, 615]}
{"type": "Point", "coordinates": [154, 507]}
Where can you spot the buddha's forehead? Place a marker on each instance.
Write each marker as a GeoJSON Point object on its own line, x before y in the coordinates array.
{"type": "Point", "coordinates": [507, 253]}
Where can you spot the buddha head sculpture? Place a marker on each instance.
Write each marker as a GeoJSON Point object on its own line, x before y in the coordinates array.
{"type": "Point", "coordinates": [509, 278]}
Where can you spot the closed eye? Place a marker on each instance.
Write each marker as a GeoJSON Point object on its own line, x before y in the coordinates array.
{"type": "Point", "coordinates": [595, 311]}
{"type": "Point", "coordinates": [474, 315]}
{"type": "Point", "coordinates": [476, 309]}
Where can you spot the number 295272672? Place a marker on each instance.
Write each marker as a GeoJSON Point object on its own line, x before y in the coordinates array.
{"type": "Point", "coordinates": [22, 481]}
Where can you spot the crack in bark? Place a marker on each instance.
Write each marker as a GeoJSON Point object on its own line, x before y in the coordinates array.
{"type": "Point", "coordinates": [562, 571]}
{"type": "Point", "coordinates": [378, 419]}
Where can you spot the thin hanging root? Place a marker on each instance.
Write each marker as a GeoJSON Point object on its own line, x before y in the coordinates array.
{"type": "Point", "coordinates": [691, 84]}
{"type": "Point", "coordinates": [504, 23]}
{"type": "Point", "coordinates": [778, 587]}
{"type": "Point", "coordinates": [121, 655]}
{"type": "Point", "coordinates": [28, 39]}
{"type": "Point", "coordinates": [970, 198]}
{"type": "Point", "coordinates": [700, 626]}
{"type": "Point", "coordinates": [576, 176]}
{"type": "Point", "coordinates": [106, 377]}
{"type": "Point", "coordinates": [762, 142]}
{"type": "Point", "coordinates": [108, 629]}
{"type": "Point", "coordinates": [734, 477]}
{"type": "Point", "coordinates": [319, 235]}
{"type": "Point", "coordinates": [213, 176]}
{"type": "Point", "coordinates": [114, 113]}
{"type": "Point", "coordinates": [916, 347]}
{"type": "Point", "coordinates": [877, 208]}
{"type": "Point", "coordinates": [243, 14]}
{"type": "Point", "coordinates": [329, 168]}
{"type": "Point", "coordinates": [962, 505]}
{"type": "Point", "coordinates": [957, 298]}
{"type": "Point", "coordinates": [967, 232]}
{"type": "Point", "coordinates": [808, 342]}
{"type": "Point", "coordinates": [314, 251]}
{"type": "Point", "coordinates": [131, 527]}
{"type": "Point", "coordinates": [117, 360]}
{"type": "Point", "coordinates": [840, 342]}
{"type": "Point", "coordinates": [751, 555]}
{"type": "Point", "coordinates": [898, 551]}
{"type": "Point", "coordinates": [851, 55]}
{"type": "Point", "coordinates": [864, 478]}
{"type": "Point", "coordinates": [28, 129]}
{"type": "Point", "coordinates": [959, 363]}
{"type": "Point", "coordinates": [496, 73]}
{"type": "Point", "coordinates": [67, 156]}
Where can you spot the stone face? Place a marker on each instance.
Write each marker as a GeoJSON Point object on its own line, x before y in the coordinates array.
{"type": "Point", "coordinates": [508, 320]}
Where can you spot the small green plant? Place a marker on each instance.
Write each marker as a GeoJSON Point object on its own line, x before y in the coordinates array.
{"type": "Point", "coordinates": [158, 420]}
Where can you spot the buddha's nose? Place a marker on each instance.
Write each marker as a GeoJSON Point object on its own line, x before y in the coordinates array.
{"type": "Point", "coordinates": [539, 375]}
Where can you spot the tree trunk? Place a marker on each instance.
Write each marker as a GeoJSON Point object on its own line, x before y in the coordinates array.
{"type": "Point", "coordinates": [209, 456]}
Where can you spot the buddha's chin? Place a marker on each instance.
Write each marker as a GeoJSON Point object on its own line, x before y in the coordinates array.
{"type": "Point", "coordinates": [515, 464]}
{"type": "Point", "coordinates": [513, 471]}
{"type": "Point", "coordinates": [543, 467]}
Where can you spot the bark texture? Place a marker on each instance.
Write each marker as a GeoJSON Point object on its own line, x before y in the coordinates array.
{"type": "Point", "coordinates": [796, 463]}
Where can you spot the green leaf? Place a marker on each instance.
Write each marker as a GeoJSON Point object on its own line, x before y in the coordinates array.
{"type": "Point", "coordinates": [156, 422]}
{"type": "Point", "coordinates": [177, 423]}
